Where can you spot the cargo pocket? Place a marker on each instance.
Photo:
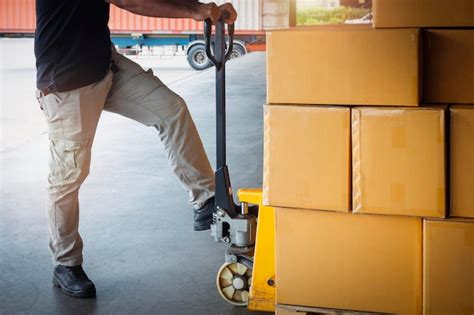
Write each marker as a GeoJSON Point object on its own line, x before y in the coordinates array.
{"type": "Point", "coordinates": [69, 162]}
{"type": "Point", "coordinates": [42, 106]}
{"type": "Point", "coordinates": [50, 105]}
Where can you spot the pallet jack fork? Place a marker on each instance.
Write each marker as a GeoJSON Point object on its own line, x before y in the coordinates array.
{"type": "Point", "coordinates": [247, 276]}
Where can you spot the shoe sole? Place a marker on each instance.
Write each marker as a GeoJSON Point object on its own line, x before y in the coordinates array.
{"type": "Point", "coordinates": [76, 294]}
{"type": "Point", "coordinates": [202, 226]}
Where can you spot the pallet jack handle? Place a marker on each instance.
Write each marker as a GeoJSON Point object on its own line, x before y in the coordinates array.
{"type": "Point", "coordinates": [207, 38]}
{"type": "Point", "coordinates": [222, 51]}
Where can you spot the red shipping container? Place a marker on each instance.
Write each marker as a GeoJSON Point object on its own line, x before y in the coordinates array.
{"type": "Point", "coordinates": [18, 16]}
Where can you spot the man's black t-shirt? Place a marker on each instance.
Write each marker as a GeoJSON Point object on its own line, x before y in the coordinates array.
{"type": "Point", "coordinates": [72, 43]}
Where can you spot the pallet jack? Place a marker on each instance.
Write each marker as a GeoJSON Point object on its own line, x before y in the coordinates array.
{"type": "Point", "coordinates": [247, 278]}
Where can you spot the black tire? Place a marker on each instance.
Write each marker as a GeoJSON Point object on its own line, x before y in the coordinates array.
{"type": "Point", "coordinates": [237, 52]}
{"type": "Point", "coordinates": [197, 58]}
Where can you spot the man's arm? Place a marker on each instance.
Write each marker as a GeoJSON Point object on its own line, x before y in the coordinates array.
{"type": "Point", "coordinates": [171, 8]}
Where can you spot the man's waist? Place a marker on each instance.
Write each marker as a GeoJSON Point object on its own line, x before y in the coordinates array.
{"type": "Point", "coordinates": [71, 79]}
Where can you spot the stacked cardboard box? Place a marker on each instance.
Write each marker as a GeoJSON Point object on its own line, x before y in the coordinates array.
{"type": "Point", "coordinates": [449, 65]}
{"type": "Point", "coordinates": [423, 13]}
{"type": "Point", "coordinates": [448, 266]}
{"type": "Point", "coordinates": [367, 161]}
{"type": "Point", "coordinates": [352, 65]}
{"type": "Point", "coordinates": [462, 161]}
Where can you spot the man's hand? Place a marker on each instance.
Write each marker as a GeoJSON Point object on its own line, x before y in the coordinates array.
{"type": "Point", "coordinates": [228, 12]}
{"type": "Point", "coordinates": [214, 12]}
{"type": "Point", "coordinates": [208, 11]}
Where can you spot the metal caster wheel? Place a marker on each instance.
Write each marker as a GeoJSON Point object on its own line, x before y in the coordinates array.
{"type": "Point", "coordinates": [233, 283]}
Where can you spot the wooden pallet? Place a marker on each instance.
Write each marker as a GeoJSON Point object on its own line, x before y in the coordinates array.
{"type": "Point", "coordinates": [283, 309]}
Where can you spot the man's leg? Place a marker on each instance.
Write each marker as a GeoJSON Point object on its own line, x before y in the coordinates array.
{"type": "Point", "coordinates": [141, 96]}
{"type": "Point", "coordinates": [72, 119]}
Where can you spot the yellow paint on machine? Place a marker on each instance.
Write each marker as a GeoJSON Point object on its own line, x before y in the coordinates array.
{"type": "Point", "coordinates": [448, 283]}
{"type": "Point", "coordinates": [398, 161]}
{"type": "Point", "coordinates": [262, 288]}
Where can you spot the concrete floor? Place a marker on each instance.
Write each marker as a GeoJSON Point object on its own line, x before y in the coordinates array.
{"type": "Point", "coordinates": [140, 248]}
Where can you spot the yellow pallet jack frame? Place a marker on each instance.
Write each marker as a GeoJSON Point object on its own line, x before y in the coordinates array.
{"type": "Point", "coordinates": [262, 288]}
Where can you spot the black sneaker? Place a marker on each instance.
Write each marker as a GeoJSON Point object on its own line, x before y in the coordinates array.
{"type": "Point", "coordinates": [73, 281]}
{"type": "Point", "coordinates": [203, 216]}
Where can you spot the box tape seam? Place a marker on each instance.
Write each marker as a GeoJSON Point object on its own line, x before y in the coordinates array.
{"type": "Point", "coordinates": [356, 167]}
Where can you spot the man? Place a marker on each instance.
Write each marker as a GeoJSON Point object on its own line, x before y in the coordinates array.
{"type": "Point", "coordinates": [79, 74]}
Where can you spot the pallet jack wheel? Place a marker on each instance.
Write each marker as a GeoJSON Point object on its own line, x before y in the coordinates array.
{"type": "Point", "coordinates": [233, 283]}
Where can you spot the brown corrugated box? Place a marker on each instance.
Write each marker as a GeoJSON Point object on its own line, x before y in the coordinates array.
{"type": "Point", "coordinates": [423, 13]}
{"type": "Point", "coordinates": [347, 261]}
{"type": "Point", "coordinates": [398, 161]}
{"type": "Point", "coordinates": [448, 283]}
{"type": "Point", "coordinates": [462, 161]}
{"type": "Point", "coordinates": [449, 66]}
{"type": "Point", "coordinates": [307, 157]}
{"type": "Point", "coordinates": [344, 65]}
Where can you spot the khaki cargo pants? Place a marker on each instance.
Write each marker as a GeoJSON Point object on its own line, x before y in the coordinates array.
{"type": "Point", "coordinates": [72, 119]}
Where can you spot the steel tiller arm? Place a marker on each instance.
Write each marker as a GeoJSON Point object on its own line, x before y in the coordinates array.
{"type": "Point", "coordinates": [218, 53]}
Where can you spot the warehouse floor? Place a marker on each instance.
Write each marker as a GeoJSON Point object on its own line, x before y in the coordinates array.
{"type": "Point", "coordinates": [140, 248]}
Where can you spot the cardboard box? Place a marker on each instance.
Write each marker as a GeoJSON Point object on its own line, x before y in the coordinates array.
{"type": "Point", "coordinates": [307, 157]}
{"type": "Point", "coordinates": [346, 261]}
{"type": "Point", "coordinates": [462, 161]}
{"type": "Point", "coordinates": [398, 161]}
{"type": "Point", "coordinates": [448, 283]}
{"type": "Point", "coordinates": [423, 13]}
{"type": "Point", "coordinates": [449, 66]}
{"type": "Point", "coordinates": [343, 65]}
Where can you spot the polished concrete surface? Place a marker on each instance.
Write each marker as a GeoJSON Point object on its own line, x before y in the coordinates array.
{"type": "Point", "coordinates": [140, 248]}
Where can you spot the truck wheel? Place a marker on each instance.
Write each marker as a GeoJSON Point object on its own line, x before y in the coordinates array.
{"type": "Point", "coordinates": [197, 58]}
{"type": "Point", "coordinates": [237, 52]}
